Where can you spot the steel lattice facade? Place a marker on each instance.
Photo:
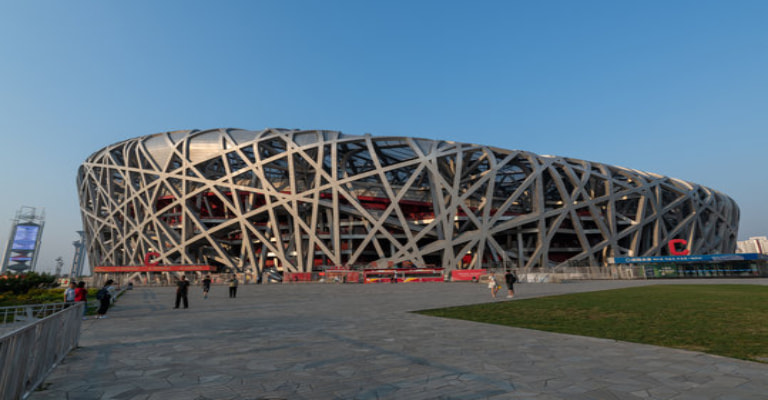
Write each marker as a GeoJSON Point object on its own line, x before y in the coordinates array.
{"type": "Point", "coordinates": [302, 200]}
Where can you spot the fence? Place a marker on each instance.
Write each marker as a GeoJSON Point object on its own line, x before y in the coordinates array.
{"type": "Point", "coordinates": [582, 273]}
{"type": "Point", "coordinates": [31, 351]}
{"type": "Point", "coordinates": [27, 313]}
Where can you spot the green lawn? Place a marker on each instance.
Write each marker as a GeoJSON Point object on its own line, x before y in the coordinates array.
{"type": "Point", "coordinates": [728, 320]}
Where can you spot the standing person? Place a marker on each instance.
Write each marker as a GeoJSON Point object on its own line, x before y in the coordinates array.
{"type": "Point", "coordinates": [182, 288]}
{"type": "Point", "coordinates": [69, 294]}
{"type": "Point", "coordinates": [103, 297]}
{"type": "Point", "coordinates": [510, 278]}
{"type": "Point", "coordinates": [206, 286]}
{"type": "Point", "coordinates": [492, 284]}
{"type": "Point", "coordinates": [233, 286]}
{"type": "Point", "coordinates": [82, 295]}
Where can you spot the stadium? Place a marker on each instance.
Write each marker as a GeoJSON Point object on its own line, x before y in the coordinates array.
{"type": "Point", "coordinates": [303, 201]}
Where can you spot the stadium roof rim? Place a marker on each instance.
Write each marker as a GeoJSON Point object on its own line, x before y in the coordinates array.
{"type": "Point", "coordinates": [191, 132]}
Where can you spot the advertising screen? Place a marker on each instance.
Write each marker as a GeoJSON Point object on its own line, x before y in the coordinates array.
{"type": "Point", "coordinates": [25, 237]}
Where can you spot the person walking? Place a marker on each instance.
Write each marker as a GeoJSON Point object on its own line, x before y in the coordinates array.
{"type": "Point", "coordinates": [104, 298]}
{"type": "Point", "coordinates": [492, 284]}
{"type": "Point", "coordinates": [233, 287]}
{"type": "Point", "coordinates": [81, 294]}
{"type": "Point", "coordinates": [69, 294]}
{"type": "Point", "coordinates": [182, 288]}
{"type": "Point", "coordinates": [206, 286]}
{"type": "Point", "coordinates": [510, 278]}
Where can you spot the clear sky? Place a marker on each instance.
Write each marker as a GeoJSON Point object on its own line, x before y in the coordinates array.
{"type": "Point", "coordinates": [678, 88]}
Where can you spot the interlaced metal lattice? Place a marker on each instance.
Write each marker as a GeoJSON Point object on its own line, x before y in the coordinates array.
{"type": "Point", "coordinates": [302, 200]}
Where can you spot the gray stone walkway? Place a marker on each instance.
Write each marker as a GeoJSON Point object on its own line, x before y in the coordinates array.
{"type": "Point", "coordinates": [329, 341]}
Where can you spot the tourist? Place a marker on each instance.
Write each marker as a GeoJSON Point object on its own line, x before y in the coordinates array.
{"type": "Point", "coordinates": [510, 279]}
{"type": "Point", "coordinates": [182, 288]}
{"type": "Point", "coordinates": [206, 286]}
{"type": "Point", "coordinates": [69, 294]}
{"type": "Point", "coordinates": [104, 299]}
{"type": "Point", "coordinates": [492, 284]}
{"type": "Point", "coordinates": [81, 294]}
{"type": "Point", "coordinates": [233, 287]}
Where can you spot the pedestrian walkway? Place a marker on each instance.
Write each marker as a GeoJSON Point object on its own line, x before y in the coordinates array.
{"type": "Point", "coordinates": [333, 341]}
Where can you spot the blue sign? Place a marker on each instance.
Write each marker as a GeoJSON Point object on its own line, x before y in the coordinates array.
{"type": "Point", "coordinates": [25, 237]}
{"type": "Point", "coordinates": [689, 259]}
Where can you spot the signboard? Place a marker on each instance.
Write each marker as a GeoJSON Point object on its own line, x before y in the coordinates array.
{"type": "Point", "coordinates": [152, 268]}
{"type": "Point", "coordinates": [673, 247]}
{"type": "Point", "coordinates": [25, 237]}
{"type": "Point", "coordinates": [688, 259]}
{"type": "Point", "coordinates": [467, 274]}
{"type": "Point", "coordinates": [151, 264]}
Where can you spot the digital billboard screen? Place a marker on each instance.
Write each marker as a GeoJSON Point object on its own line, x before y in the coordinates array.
{"type": "Point", "coordinates": [25, 237]}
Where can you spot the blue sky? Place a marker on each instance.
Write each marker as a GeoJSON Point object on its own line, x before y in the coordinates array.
{"type": "Point", "coordinates": [679, 88]}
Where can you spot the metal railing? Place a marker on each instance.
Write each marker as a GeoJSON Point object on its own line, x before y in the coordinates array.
{"type": "Point", "coordinates": [561, 274]}
{"type": "Point", "coordinates": [28, 313]}
{"type": "Point", "coordinates": [30, 352]}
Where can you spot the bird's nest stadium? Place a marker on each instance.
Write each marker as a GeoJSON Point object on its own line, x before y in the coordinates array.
{"type": "Point", "coordinates": [299, 201]}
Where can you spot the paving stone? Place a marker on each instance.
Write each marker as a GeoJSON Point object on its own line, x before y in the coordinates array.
{"type": "Point", "coordinates": [316, 341]}
{"type": "Point", "coordinates": [661, 392]}
{"type": "Point", "coordinates": [122, 392]}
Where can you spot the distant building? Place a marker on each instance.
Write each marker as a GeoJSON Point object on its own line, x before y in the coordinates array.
{"type": "Point", "coordinates": [301, 201]}
{"type": "Point", "coordinates": [757, 244]}
{"type": "Point", "coordinates": [23, 246]}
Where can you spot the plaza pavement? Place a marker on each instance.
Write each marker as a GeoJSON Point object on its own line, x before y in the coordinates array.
{"type": "Point", "coordinates": [332, 341]}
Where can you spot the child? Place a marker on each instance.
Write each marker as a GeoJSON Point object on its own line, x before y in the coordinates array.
{"type": "Point", "coordinates": [493, 285]}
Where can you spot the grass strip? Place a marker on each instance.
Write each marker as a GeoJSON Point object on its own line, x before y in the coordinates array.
{"type": "Point", "coordinates": [727, 320]}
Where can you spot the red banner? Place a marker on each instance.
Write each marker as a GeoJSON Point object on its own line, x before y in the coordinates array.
{"type": "Point", "coordinates": [152, 268]}
{"type": "Point", "coordinates": [467, 274]}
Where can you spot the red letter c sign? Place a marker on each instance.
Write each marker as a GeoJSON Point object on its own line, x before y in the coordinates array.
{"type": "Point", "coordinates": [154, 255]}
{"type": "Point", "coordinates": [673, 247]}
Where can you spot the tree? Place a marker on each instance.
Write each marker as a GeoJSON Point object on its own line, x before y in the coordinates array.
{"type": "Point", "coordinates": [22, 283]}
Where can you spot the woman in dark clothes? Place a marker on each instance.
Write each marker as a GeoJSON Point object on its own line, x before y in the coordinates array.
{"type": "Point", "coordinates": [103, 297]}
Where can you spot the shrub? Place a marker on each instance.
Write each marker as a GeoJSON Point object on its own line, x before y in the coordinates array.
{"type": "Point", "coordinates": [22, 283]}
